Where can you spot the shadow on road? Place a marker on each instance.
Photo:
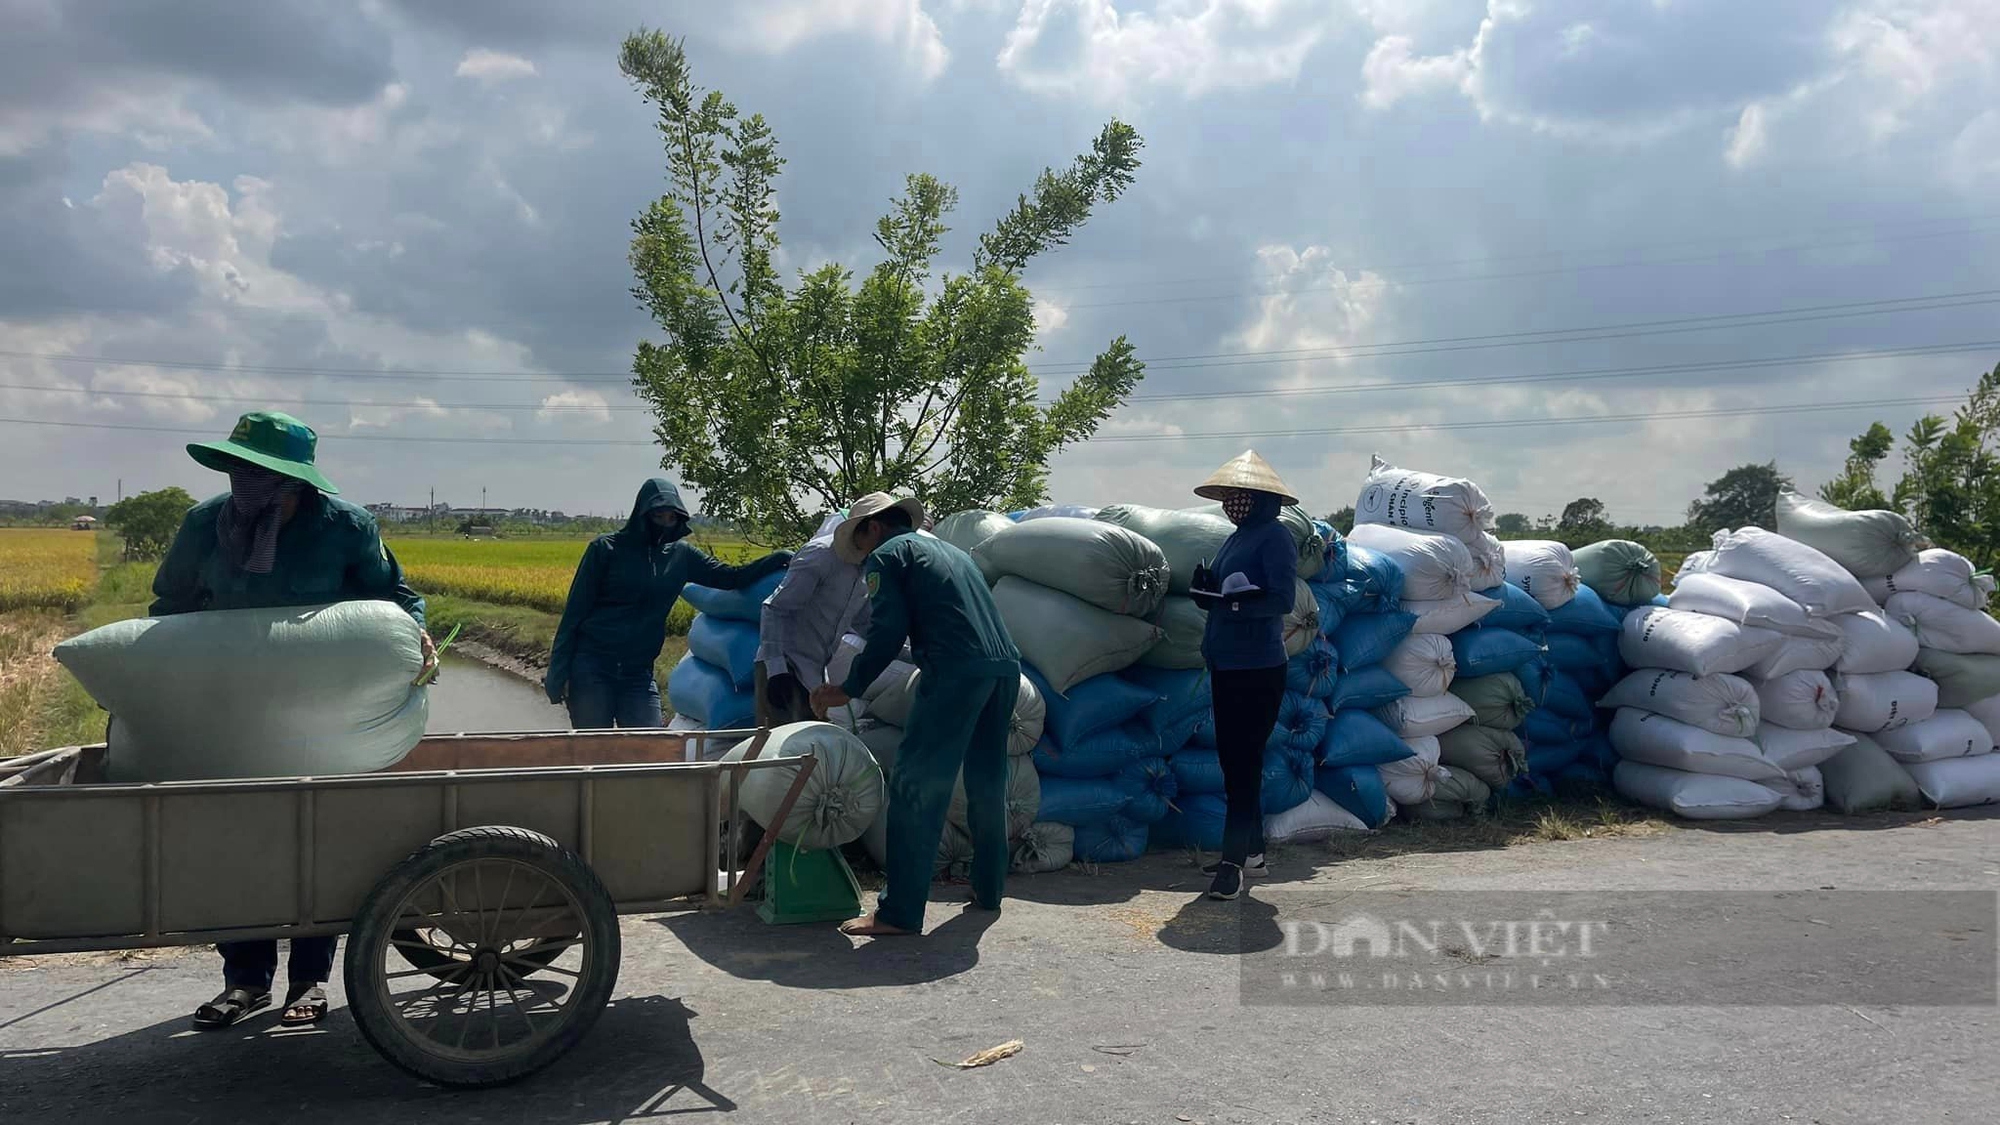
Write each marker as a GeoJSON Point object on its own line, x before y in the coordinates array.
{"type": "Point", "coordinates": [639, 1063]}
{"type": "Point", "coordinates": [819, 956]}
{"type": "Point", "coordinates": [1170, 872]}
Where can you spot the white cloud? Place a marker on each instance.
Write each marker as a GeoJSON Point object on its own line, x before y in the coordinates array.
{"type": "Point", "coordinates": [777, 27]}
{"type": "Point", "coordinates": [1392, 72]}
{"type": "Point", "coordinates": [1090, 47]}
{"type": "Point", "coordinates": [494, 66]}
{"type": "Point", "coordinates": [1747, 139]}
{"type": "Point", "coordinates": [588, 406]}
{"type": "Point", "coordinates": [1049, 318]}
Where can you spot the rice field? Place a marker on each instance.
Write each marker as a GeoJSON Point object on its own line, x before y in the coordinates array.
{"type": "Point", "coordinates": [526, 572]}
{"type": "Point", "coordinates": [46, 568]}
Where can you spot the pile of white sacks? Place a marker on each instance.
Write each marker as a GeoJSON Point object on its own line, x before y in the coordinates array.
{"type": "Point", "coordinates": [1831, 664]}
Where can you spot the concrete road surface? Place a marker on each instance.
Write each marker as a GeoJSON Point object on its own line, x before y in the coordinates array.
{"type": "Point", "coordinates": [1128, 993]}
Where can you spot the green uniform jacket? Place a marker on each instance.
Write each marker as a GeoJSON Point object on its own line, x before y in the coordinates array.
{"type": "Point", "coordinates": [329, 552]}
{"type": "Point", "coordinates": [929, 592]}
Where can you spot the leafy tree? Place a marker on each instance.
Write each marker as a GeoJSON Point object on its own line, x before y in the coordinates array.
{"type": "Point", "coordinates": [1742, 497]}
{"type": "Point", "coordinates": [1951, 481]}
{"type": "Point", "coordinates": [1512, 523]}
{"type": "Point", "coordinates": [1342, 520]}
{"type": "Point", "coordinates": [1854, 489]}
{"type": "Point", "coordinates": [781, 402]}
{"type": "Point", "coordinates": [1584, 514]}
{"type": "Point", "coordinates": [147, 522]}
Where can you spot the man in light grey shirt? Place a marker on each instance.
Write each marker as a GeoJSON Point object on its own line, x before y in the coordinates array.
{"type": "Point", "coordinates": [820, 599]}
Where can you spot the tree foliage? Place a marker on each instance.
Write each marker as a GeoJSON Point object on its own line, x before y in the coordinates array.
{"type": "Point", "coordinates": [1342, 520]}
{"type": "Point", "coordinates": [1855, 489]}
{"type": "Point", "coordinates": [1742, 497]}
{"type": "Point", "coordinates": [1584, 518]}
{"type": "Point", "coordinates": [780, 402]}
{"type": "Point", "coordinates": [1512, 524]}
{"type": "Point", "coordinates": [147, 522]}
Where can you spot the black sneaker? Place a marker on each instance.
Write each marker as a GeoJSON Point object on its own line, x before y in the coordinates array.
{"type": "Point", "coordinates": [1253, 868]}
{"type": "Point", "coordinates": [1228, 882]}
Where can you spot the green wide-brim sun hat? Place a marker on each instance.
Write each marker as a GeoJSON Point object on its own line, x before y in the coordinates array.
{"type": "Point", "coordinates": [266, 438]}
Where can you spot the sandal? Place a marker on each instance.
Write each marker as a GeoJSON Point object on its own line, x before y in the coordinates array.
{"type": "Point", "coordinates": [230, 1008]}
{"type": "Point", "coordinates": [304, 1006]}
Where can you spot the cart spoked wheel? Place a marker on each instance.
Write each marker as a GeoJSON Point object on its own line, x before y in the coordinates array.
{"type": "Point", "coordinates": [483, 957]}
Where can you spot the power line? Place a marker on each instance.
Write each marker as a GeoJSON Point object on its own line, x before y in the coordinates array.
{"type": "Point", "coordinates": [1578, 376]}
{"type": "Point", "coordinates": [1667, 326]}
{"type": "Point", "coordinates": [1522, 423]}
{"type": "Point", "coordinates": [1591, 374]}
{"type": "Point", "coordinates": [1418, 346]}
{"type": "Point", "coordinates": [1503, 423]}
{"type": "Point", "coordinates": [1534, 255]}
{"type": "Point", "coordinates": [1552, 271]}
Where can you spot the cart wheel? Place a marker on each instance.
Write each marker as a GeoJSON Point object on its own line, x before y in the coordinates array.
{"type": "Point", "coordinates": [503, 903]}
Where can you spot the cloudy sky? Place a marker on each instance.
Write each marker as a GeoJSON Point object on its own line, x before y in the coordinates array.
{"type": "Point", "coordinates": [1701, 213]}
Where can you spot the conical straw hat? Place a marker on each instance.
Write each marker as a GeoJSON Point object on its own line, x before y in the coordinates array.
{"type": "Point", "coordinates": [1247, 470]}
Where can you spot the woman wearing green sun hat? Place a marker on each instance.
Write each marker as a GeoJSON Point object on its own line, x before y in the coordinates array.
{"type": "Point", "coordinates": [279, 537]}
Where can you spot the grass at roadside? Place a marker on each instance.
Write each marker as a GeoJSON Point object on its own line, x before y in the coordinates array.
{"type": "Point", "coordinates": [42, 706]}
{"type": "Point", "coordinates": [1513, 824]}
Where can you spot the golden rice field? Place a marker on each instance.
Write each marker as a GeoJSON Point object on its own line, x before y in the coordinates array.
{"type": "Point", "coordinates": [46, 567]}
{"type": "Point", "coordinates": [525, 572]}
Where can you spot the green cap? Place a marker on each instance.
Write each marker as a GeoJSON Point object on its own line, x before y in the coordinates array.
{"type": "Point", "coordinates": [278, 442]}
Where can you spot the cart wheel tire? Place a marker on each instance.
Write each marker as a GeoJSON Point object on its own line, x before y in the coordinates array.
{"type": "Point", "coordinates": [409, 945]}
{"type": "Point", "coordinates": [380, 925]}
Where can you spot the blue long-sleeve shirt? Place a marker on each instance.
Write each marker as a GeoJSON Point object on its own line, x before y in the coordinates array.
{"type": "Point", "coordinates": [1247, 631]}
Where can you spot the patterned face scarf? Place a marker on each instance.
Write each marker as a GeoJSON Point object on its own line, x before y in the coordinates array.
{"type": "Point", "coordinates": [1238, 505]}
{"type": "Point", "coordinates": [248, 526]}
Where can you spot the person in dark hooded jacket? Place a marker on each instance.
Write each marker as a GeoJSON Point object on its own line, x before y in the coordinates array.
{"type": "Point", "coordinates": [615, 622]}
{"type": "Point", "coordinates": [1247, 590]}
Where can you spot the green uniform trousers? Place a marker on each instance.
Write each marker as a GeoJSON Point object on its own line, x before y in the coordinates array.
{"type": "Point", "coordinates": [957, 721]}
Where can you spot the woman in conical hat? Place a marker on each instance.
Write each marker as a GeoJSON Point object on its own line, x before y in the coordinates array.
{"type": "Point", "coordinates": [1247, 590]}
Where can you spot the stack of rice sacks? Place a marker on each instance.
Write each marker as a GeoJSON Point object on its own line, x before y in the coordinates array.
{"type": "Point", "coordinates": [1937, 722]}
{"type": "Point", "coordinates": [1077, 596]}
{"type": "Point", "coordinates": [1624, 577]}
{"type": "Point", "coordinates": [1566, 743]}
{"type": "Point", "coordinates": [713, 686]}
{"type": "Point", "coordinates": [1731, 710]}
{"type": "Point", "coordinates": [1461, 608]}
{"type": "Point", "coordinates": [1292, 812]}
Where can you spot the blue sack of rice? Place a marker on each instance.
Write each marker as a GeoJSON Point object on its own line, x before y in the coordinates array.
{"type": "Point", "coordinates": [1090, 707]}
{"type": "Point", "coordinates": [1367, 689]}
{"type": "Point", "coordinates": [1487, 652]}
{"type": "Point", "coordinates": [1544, 727]}
{"type": "Point", "coordinates": [1358, 789]}
{"type": "Point", "coordinates": [1077, 801]}
{"type": "Point", "coordinates": [1313, 672]}
{"type": "Point", "coordinates": [1301, 724]}
{"type": "Point", "coordinates": [1197, 771]}
{"type": "Point", "coordinates": [1573, 652]}
{"type": "Point", "coordinates": [746, 604]}
{"type": "Point", "coordinates": [1358, 738]}
{"type": "Point", "coordinates": [1103, 753]}
{"type": "Point", "coordinates": [1154, 780]}
{"type": "Point", "coordinates": [708, 695]}
{"type": "Point", "coordinates": [1183, 700]}
{"type": "Point", "coordinates": [1568, 700]}
{"type": "Point", "coordinates": [1546, 760]}
{"type": "Point", "coordinates": [1287, 779]}
{"type": "Point", "coordinates": [1331, 613]}
{"type": "Point", "coordinates": [1586, 613]}
{"type": "Point", "coordinates": [1368, 638]}
{"type": "Point", "coordinates": [1195, 822]}
{"type": "Point", "coordinates": [1118, 839]}
{"type": "Point", "coordinates": [726, 644]}
{"type": "Point", "coordinates": [1519, 612]}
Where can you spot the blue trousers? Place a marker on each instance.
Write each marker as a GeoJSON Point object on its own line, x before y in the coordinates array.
{"type": "Point", "coordinates": [252, 964]}
{"type": "Point", "coordinates": [606, 693]}
{"type": "Point", "coordinates": [957, 722]}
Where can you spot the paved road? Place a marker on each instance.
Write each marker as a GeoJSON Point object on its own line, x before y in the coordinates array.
{"type": "Point", "coordinates": [1126, 990]}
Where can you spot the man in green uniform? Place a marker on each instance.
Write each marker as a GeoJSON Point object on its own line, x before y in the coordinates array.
{"type": "Point", "coordinates": [929, 592]}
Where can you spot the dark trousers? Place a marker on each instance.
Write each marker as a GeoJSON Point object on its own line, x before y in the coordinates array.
{"type": "Point", "coordinates": [252, 965]}
{"type": "Point", "coordinates": [782, 699]}
{"type": "Point", "coordinates": [1246, 709]}
{"type": "Point", "coordinates": [956, 722]}
{"type": "Point", "coordinates": [606, 693]}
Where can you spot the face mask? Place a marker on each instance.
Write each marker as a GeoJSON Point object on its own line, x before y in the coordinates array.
{"type": "Point", "coordinates": [670, 533]}
{"type": "Point", "coordinates": [1238, 505]}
